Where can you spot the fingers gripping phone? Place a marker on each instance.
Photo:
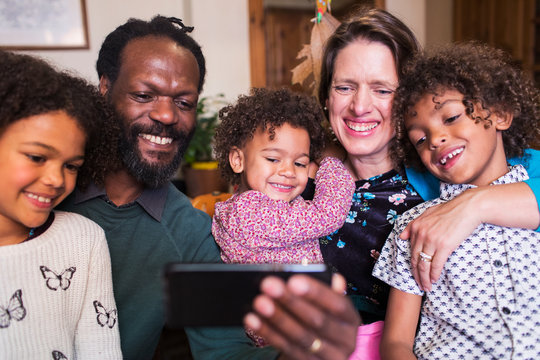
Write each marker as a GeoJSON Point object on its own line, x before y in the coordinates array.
{"type": "Point", "coordinates": [221, 294]}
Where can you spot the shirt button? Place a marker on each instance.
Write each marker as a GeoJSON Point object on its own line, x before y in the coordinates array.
{"type": "Point", "coordinates": [497, 263]}
{"type": "Point", "coordinates": [506, 310]}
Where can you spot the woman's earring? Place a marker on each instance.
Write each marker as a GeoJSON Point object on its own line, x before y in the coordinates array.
{"type": "Point", "coordinates": [325, 108]}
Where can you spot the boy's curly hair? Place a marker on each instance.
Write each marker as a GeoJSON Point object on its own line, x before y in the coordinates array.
{"type": "Point", "coordinates": [30, 86]}
{"type": "Point", "coordinates": [265, 109]}
{"type": "Point", "coordinates": [485, 76]}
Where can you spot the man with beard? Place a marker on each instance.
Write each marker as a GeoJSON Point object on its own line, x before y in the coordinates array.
{"type": "Point", "coordinates": [152, 74]}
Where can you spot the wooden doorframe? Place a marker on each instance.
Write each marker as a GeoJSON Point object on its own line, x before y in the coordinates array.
{"type": "Point", "coordinates": [257, 41]}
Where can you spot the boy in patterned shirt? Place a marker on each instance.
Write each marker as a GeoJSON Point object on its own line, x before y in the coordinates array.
{"type": "Point", "coordinates": [465, 110]}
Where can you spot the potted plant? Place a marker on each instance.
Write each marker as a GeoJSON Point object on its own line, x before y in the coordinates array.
{"type": "Point", "coordinates": [200, 168]}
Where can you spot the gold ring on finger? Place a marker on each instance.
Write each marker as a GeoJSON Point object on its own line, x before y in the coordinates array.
{"type": "Point", "coordinates": [425, 257]}
{"type": "Point", "coordinates": [315, 346]}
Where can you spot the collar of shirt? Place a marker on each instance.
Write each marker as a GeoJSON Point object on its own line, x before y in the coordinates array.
{"type": "Point", "coordinates": [151, 200]}
{"type": "Point", "coordinates": [515, 174]}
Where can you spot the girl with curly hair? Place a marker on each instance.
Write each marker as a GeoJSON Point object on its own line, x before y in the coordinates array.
{"type": "Point", "coordinates": [56, 296]}
{"type": "Point", "coordinates": [264, 145]}
{"type": "Point", "coordinates": [460, 113]}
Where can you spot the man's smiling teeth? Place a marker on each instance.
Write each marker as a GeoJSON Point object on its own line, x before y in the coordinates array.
{"type": "Point", "coordinates": [157, 139]}
{"type": "Point", "coordinates": [361, 126]}
{"type": "Point", "coordinates": [39, 198]}
{"type": "Point", "coordinates": [451, 155]}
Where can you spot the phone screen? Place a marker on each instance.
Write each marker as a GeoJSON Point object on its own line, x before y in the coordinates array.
{"type": "Point", "coordinates": [221, 294]}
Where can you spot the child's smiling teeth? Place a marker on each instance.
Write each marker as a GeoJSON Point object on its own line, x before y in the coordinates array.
{"type": "Point", "coordinates": [282, 186]}
{"type": "Point", "coordinates": [156, 139]}
{"type": "Point", "coordinates": [39, 198]}
{"type": "Point", "coordinates": [451, 155]}
{"type": "Point", "coordinates": [361, 126]}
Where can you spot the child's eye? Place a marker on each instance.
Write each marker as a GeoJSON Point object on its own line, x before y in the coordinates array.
{"type": "Point", "coordinates": [73, 167]}
{"type": "Point", "coordinates": [36, 158]}
{"type": "Point", "coordinates": [299, 164]}
{"type": "Point", "coordinates": [420, 141]}
{"type": "Point", "coordinates": [272, 160]}
{"type": "Point", "coordinates": [451, 119]}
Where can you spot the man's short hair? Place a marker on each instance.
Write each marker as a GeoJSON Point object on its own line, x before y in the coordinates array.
{"type": "Point", "coordinates": [109, 60]}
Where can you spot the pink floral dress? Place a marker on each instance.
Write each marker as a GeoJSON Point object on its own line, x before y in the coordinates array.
{"type": "Point", "coordinates": [252, 228]}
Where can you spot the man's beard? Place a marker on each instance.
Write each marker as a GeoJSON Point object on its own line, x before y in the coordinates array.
{"type": "Point", "coordinates": [151, 175]}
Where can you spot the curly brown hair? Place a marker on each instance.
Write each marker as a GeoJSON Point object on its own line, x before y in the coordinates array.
{"type": "Point", "coordinates": [265, 109]}
{"type": "Point", "coordinates": [485, 76]}
{"type": "Point", "coordinates": [30, 86]}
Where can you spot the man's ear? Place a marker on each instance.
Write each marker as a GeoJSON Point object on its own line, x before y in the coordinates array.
{"type": "Point", "coordinates": [503, 121]}
{"type": "Point", "coordinates": [104, 85]}
{"type": "Point", "coordinates": [236, 159]}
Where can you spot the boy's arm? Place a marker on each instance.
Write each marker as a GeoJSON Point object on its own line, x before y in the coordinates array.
{"type": "Point", "coordinates": [400, 324]}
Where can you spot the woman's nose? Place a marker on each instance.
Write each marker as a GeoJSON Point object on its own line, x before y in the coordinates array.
{"type": "Point", "coordinates": [361, 101]}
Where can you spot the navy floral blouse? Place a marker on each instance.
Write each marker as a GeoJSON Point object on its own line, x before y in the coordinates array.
{"type": "Point", "coordinates": [353, 249]}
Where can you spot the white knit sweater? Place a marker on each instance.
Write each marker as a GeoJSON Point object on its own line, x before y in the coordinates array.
{"type": "Point", "coordinates": [56, 296]}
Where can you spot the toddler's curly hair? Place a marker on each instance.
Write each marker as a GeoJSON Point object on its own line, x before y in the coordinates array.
{"type": "Point", "coordinates": [266, 109]}
{"type": "Point", "coordinates": [485, 76]}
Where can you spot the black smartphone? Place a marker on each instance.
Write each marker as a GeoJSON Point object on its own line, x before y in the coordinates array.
{"type": "Point", "coordinates": [221, 294]}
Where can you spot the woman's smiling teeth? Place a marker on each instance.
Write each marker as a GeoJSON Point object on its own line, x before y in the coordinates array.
{"type": "Point", "coordinates": [39, 198]}
{"type": "Point", "coordinates": [361, 126]}
{"type": "Point", "coordinates": [156, 139]}
{"type": "Point", "coordinates": [450, 155]}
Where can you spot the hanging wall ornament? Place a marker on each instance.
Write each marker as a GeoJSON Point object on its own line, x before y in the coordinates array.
{"type": "Point", "coordinates": [324, 26]}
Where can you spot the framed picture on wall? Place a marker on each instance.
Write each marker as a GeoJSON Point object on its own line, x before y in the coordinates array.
{"type": "Point", "coordinates": [43, 24]}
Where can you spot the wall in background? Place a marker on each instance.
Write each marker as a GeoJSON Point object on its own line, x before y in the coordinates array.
{"type": "Point", "coordinates": [430, 20]}
{"type": "Point", "coordinates": [221, 27]}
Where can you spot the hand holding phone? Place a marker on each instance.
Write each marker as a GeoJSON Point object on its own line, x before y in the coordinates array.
{"type": "Point", "coordinates": [221, 294]}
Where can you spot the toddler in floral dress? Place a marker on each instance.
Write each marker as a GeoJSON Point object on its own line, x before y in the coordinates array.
{"type": "Point", "coordinates": [264, 145]}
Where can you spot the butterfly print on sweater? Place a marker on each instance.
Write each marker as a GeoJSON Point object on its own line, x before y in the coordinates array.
{"type": "Point", "coordinates": [105, 317]}
{"type": "Point", "coordinates": [55, 281]}
{"type": "Point", "coordinates": [57, 355]}
{"type": "Point", "coordinates": [14, 311]}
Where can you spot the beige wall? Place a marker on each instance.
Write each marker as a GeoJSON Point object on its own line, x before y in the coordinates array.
{"type": "Point", "coordinates": [221, 27]}
{"type": "Point", "coordinates": [430, 20]}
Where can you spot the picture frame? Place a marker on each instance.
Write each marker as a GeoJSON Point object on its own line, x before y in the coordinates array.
{"type": "Point", "coordinates": [43, 25]}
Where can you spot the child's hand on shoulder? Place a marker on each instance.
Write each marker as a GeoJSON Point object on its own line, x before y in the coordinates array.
{"type": "Point", "coordinates": [333, 149]}
{"type": "Point", "coordinates": [312, 169]}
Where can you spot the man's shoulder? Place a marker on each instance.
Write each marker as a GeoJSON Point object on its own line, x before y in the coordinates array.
{"type": "Point", "coordinates": [178, 205]}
